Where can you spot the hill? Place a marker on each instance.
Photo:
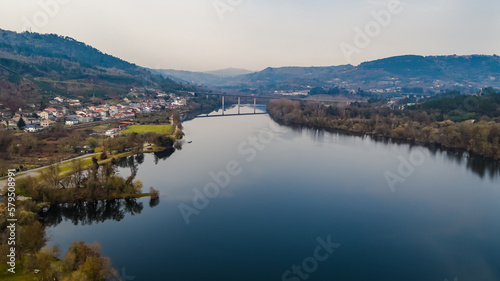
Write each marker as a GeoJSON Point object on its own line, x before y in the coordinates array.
{"type": "Point", "coordinates": [209, 78]}
{"type": "Point", "coordinates": [229, 72]}
{"type": "Point", "coordinates": [402, 74]}
{"type": "Point", "coordinates": [196, 78]}
{"type": "Point", "coordinates": [36, 67]}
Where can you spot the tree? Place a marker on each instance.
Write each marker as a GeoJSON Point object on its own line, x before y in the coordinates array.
{"type": "Point", "coordinates": [104, 155]}
{"type": "Point", "coordinates": [21, 124]}
{"type": "Point", "coordinates": [92, 142]}
{"type": "Point", "coordinates": [93, 269]}
{"type": "Point", "coordinates": [6, 138]}
{"type": "Point", "coordinates": [79, 252]}
{"type": "Point", "coordinates": [51, 177]}
{"type": "Point", "coordinates": [43, 263]}
{"type": "Point", "coordinates": [77, 172]}
{"type": "Point", "coordinates": [3, 167]}
{"type": "Point", "coordinates": [31, 238]}
{"type": "Point", "coordinates": [155, 194]}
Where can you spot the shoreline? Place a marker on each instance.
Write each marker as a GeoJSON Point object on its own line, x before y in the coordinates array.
{"type": "Point", "coordinates": [389, 138]}
{"type": "Point", "coordinates": [36, 172]}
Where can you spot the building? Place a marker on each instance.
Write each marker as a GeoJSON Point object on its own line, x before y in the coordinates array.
{"type": "Point", "coordinates": [85, 119]}
{"type": "Point", "coordinates": [44, 115]}
{"type": "Point", "coordinates": [112, 132]}
{"type": "Point", "coordinates": [33, 128]}
{"type": "Point", "coordinates": [46, 123]}
{"type": "Point", "coordinates": [72, 120]}
{"type": "Point", "coordinates": [32, 121]}
{"type": "Point", "coordinates": [102, 112]}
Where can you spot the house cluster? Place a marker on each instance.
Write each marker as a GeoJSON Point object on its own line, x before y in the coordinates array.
{"type": "Point", "coordinates": [176, 102]}
{"type": "Point", "coordinates": [34, 122]}
{"type": "Point", "coordinates": [127, 110]}
{"type": "Point", "coordinates": [173, 102]}
{"type": "Point", "coordinates": [70, 102]}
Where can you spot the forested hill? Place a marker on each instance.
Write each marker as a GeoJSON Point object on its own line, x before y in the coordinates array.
{"type": "Point", "coordinates": [427, 75]}
{"type": "Point", "coordinates": [34, 66]}
{"type": "Point", "coordinates": [476, 68]}
{"type": "Point", "coordinates": [55, 46]}
{"type": "Point", "coordinates": [408, 74]}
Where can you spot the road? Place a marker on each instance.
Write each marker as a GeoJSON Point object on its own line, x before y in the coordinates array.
{"type": "Point", "coordinates": [35, 172]}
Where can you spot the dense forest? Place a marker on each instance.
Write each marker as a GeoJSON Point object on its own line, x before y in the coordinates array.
{"type": "Point", "coordinates": [471, 123]}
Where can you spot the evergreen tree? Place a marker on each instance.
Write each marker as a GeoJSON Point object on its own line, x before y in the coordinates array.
{"type": "Point", "coordinates": [21, 124]}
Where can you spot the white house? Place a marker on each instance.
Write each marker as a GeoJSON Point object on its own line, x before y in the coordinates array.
{"type": "Point", "coordinates": [112, 132]}
{"type": "Point", "coordinates": [33, 128]}
{"type": "Point", "coordinates": [72, 120]}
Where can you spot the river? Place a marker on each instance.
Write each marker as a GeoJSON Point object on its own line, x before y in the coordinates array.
{"type": "Point", "coordinates": [251, 200]}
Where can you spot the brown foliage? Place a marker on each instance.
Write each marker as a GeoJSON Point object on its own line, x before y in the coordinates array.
{"type": "Point", "coordinates": [480, 138]}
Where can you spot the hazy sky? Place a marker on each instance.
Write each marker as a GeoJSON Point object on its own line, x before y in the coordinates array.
{"type": "Point", "coordinates": [253, 34]}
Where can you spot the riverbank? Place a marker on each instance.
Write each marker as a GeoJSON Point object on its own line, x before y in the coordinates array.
{"type": "Point", "coordinates": [480, 138]}
{"type": "Point", "coordinates": [65, 165]}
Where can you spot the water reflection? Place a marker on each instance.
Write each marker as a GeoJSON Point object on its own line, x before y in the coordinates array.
{"type": "Point", "coordinates": [87, 213]}
{"type": "Point", "coordinates": [129, 162]}
{"type": "Point", "coordinates": [480, 166]}
{"type": "Point", "coordinates": [134, 161]}
{"type": "Point", "coordinates": [163, 155]}
{"type": "Point", "coordinates": [153, 202]}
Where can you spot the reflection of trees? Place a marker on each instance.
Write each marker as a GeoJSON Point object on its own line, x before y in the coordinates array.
{"type": "Point", "coordinates": [130, 162]}
{"type": "Point", "coordinates": [87, 213]}
{"type": "Point", "coordinates": [133, 162]}
{"type": "Point", "coordinates": [139, 158]}
{"type": "Point", "coordinates": [154, 202]}
{"type": "Point", "coordinates": [163, 155]}
{"type": "Point", "coordinates": [479, 165]}
{"type": "Point", "coordinates": [122, 162]}
{"type": "Point", "coordinates": [482, 166]}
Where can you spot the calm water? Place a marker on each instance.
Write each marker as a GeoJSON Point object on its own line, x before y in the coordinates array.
{"type": "Point", "coordinates": [293, 189]}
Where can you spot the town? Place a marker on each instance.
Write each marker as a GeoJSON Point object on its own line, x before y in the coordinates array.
{"type": "Point", "coordinates": [71, 111]}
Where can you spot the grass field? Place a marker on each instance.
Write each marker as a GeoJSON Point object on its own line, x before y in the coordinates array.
{"type": "Point", "coordinates": [97, 129]}
{"type": "Point", "coordinates": [141, 129]}
{"type": "Point", "coordinates": [66, 167]}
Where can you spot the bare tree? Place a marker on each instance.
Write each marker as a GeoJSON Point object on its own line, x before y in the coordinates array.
{"type": "Point", "coordinates": [77, 172]}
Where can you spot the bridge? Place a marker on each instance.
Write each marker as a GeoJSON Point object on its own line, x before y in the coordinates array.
{"type": "Point", "coordinates": [265, 97]}
{"type": "Point", "coordinates": [239, 97]}
{"type": "Point", "coordinates": [239, 105]}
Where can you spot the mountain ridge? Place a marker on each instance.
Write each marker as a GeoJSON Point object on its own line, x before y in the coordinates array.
{"type": "Point", "coordinates": [429, 74]}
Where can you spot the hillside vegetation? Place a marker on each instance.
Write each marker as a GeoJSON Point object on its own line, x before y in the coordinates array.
{"type": "Point", "coordinates": [401, 74]}
{"type": "Point", "coordinates": [34, 67]}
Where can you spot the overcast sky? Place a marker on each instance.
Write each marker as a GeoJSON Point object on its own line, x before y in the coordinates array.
{"type": "Point", "coordinates": [202, 35]}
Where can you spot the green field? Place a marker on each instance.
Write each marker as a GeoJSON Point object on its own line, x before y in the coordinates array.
{"type": "Point", "coordinates": [141, 129]}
